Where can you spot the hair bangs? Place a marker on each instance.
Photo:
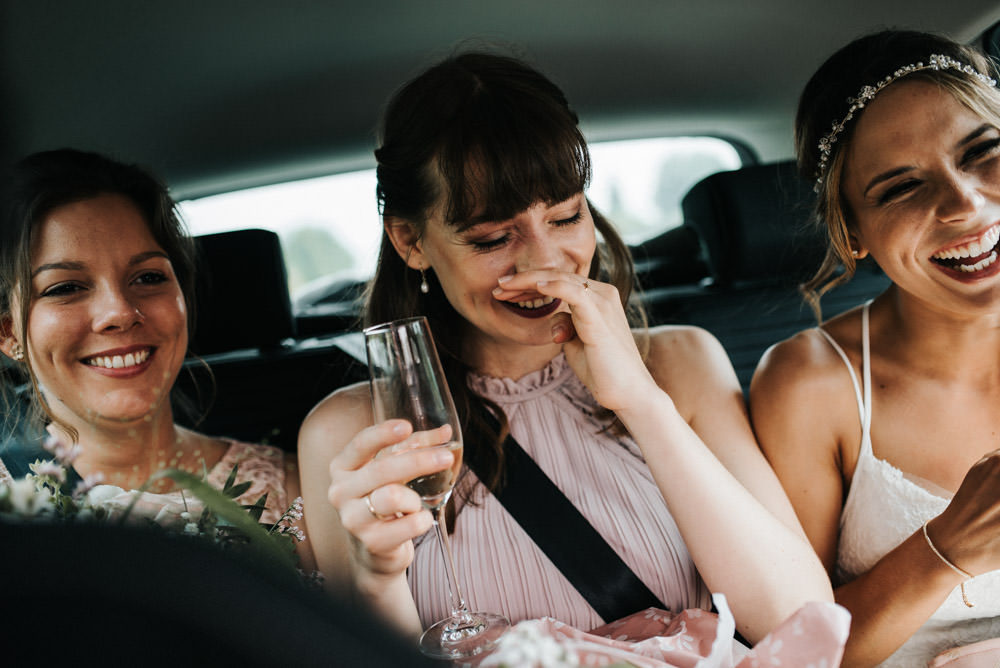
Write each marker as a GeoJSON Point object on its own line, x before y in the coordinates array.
{"type": "Point", "coordinates": [498, 161]}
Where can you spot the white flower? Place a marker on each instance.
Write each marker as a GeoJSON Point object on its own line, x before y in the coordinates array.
{"type": "Point", "coordinates": [50, 469]}
{"type": "Point", "coordinates": [527, 645]}
{"type": "Point", "coordinates": [26, 499]}
{"type": "Point", "coordinates": [101, 494]}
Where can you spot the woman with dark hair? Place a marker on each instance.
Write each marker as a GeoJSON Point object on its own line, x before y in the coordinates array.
{"type": "Point", "coordinates": [482, 170]}
{"type": "Point", "coordinates": [891, 463]}
{"type": "Point", "coordinates": [96, 289]}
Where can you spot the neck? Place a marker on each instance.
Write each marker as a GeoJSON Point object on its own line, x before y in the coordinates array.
{"type": "Point", "coordinates": [498, 363]}
{"type": "Point", "coordinates": [127, 455]}
{"type": "Point", "coordinates": [940, 342]}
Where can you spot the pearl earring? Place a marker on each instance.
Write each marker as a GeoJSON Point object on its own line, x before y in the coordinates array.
{"type": "Point", "coordinates": [17, 353]}
{"type": "Point", "coordinates": [424, 288]}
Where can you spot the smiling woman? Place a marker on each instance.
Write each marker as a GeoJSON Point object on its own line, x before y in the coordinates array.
{"type": "Point", "coordinates": [96, 276]}
{"type": "Point", "coordinates": [891, 462]}
{"type": "Point", "coordinates": [487, 232]}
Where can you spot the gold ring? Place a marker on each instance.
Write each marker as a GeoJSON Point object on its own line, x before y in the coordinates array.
{"type": "Point", "coordinates": [371, 508]}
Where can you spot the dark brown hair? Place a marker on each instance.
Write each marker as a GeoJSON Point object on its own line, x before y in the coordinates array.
{"type": "Point", "coordinates": [486, 135]}
{"type": "Point", "coordinates": [44, 181]}
{"type": "Point", "coordinates": [826, 100]}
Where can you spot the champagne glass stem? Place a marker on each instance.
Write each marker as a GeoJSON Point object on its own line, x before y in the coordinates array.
{"type": "Point", "coordinates": [459, 610]}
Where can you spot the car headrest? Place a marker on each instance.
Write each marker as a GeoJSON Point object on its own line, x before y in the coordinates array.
{"type": "Point", "coordinates": [754, 224]}
{"type": "Point", "coordinates": [242, 293]}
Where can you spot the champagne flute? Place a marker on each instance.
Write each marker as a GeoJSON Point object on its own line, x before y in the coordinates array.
{"type": "Point", "coordinates": [407, 382]}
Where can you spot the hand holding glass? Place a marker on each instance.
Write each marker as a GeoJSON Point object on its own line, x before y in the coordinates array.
{"type": "Point", "coordinates": [407, 382]}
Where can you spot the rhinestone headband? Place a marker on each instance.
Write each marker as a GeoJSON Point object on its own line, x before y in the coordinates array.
{"type": "Point", "coordinates": [936, 62]}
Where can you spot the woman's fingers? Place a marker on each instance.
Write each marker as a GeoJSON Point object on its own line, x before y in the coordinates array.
{"type": "Point", "coordinates": [398, 467]}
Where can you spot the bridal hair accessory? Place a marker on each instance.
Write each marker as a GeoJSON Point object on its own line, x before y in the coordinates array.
{"type": "Point", "coordinates": [17, 352]}
{"type": "Point", "coordinates": [965, 574]}
{"type": "Point", "coordinates": [424, 288]}
{"type": "Point", "coordinates": [936, 62]}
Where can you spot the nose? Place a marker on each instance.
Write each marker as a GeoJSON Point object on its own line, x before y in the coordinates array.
{"type": "Point", "coordinates": [538, 251]}
{"type": "Point", "coordinates": [114, 310]}
{"type": "Point", "coordinates": [960, 201]}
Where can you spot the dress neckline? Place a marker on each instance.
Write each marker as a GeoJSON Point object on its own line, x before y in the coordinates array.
{"type": "Point", "coordinates": [525, 387]}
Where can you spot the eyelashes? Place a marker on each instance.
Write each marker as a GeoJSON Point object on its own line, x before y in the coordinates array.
{"type": "Point", "coordinates": [983, 153]}
{"type": "Point", "coordinates": [486, 245]}
{"type": "Point", "coordinates": [70, 288]}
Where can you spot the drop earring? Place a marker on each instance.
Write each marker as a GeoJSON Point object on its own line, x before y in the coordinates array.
{"type": "Point", "coordinates": [17, 352]}
{"type": "Point", "coordinates": [424, 288]}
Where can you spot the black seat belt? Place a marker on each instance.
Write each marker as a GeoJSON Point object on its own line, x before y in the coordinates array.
{"type": "Point", "coordinates": [566, 537]}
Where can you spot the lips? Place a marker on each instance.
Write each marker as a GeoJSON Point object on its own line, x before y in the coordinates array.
{"type": "Point", "coordinates": [127, 360]}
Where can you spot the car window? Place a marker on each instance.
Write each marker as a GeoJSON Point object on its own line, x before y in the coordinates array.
{"type": "Point", "coordinates": [330, 227]}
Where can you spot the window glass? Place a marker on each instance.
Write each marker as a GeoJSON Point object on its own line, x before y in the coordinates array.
{"type": "Point", "coordinates": [330, 228]}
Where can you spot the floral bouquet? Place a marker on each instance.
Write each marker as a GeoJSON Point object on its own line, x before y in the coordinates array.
{"type": "Point", "coordinates": [209, 513]}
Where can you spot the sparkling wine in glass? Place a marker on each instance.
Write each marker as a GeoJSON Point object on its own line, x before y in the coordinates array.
{"type": "Point", "coordinates": [407, 382]}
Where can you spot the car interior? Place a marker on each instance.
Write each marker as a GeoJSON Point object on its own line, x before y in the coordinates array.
{"type": "Point", "coordinates": [225, 96]}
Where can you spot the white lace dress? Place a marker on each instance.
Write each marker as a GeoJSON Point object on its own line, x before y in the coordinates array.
{"type": "Point", "coordinates": [884, 507]}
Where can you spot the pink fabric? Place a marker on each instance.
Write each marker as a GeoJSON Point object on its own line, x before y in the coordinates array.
{"type": "Point", "coordinates": [813, 636]}
{"type": "Point", "coordinates": [500, 568]}
{"type": "Point", "coordinates": [264, 467]}
{"type": "Point", "coordinates": [983, 654]}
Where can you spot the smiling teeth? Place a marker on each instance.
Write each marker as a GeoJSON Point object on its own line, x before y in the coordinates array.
{"type": "Point", "coordinates": [537, 303]}
{"type": "Point", "coordinates": [972, 249]}
{"type": "Point", "coordinates": [119, 361]}
{"type": "Point", "coordinates": [979, 266]}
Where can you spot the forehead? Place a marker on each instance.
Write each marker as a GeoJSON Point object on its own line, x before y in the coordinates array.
{"type": "Point", "coordinates": [910, 117]}
{"type": "Point", "coordinates": [100, 225]}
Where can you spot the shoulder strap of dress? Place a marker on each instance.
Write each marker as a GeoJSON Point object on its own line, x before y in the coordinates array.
{"type": "Point", "coordinates": [866, 371]}
{"type": "Point", "coordinates": [850, 370]}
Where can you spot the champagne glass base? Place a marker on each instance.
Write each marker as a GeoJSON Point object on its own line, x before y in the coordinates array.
{"type": "Point", "coordinates": [460, 638]}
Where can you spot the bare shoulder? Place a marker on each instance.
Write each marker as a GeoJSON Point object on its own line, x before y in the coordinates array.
{"type": "Point", "coordinates": [335, 420]}
{"type": "Point", "coordinates": [802, 393]}
{"type": "Point", "coordinates": [682, 356]}
{"type": "Point", "coordinates": [807, 360]}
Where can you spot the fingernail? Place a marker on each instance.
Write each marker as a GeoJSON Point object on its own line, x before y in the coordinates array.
{"type": "Point", "coordinates": [497, 291]}
{"type": "Point", "coordinates": [443, 457]}
{"type": "Point", "coordinates": [399, 428]}
{"type": "Point", "coordinates": [559, 332]}
{"type": "Point", "coordinates": [504, 279]}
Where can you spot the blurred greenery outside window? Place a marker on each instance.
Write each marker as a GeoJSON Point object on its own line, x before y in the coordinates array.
{"type": "Point", "coordinates": [330, 228]}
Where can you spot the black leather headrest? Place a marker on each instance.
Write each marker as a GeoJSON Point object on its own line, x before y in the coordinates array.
{"type": "Point", "coordinates": [754, 224]}
{"type": "Point", "coordinates": [242, 299]}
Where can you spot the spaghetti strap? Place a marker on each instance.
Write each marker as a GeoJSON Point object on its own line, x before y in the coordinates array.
{"type": "Point", "coordinates": [850, 370]}
{"type": "Point", "coordinates": [866, 370]}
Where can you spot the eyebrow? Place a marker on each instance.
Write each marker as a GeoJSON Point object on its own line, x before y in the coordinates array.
{"type": "Point", "coordinates": [885, 176]}
{"type": "Point", "coordinates": [79, 266]}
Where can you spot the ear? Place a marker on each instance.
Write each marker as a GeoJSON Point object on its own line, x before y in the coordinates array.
{"type": "Point", "coordinates": [406, 241]}
{"type": "Point", "coordinates": [858, 250]}
{"type": "Point", "coordinates": [7, 339]}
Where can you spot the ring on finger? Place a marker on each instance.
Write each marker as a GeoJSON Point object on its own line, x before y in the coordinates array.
{"type": "Point", "coordinates": [376, 514]}
{"type": "Point", "coordinates": [371, 508]}
{"type": "Point", "coordinates": [586, 286]}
